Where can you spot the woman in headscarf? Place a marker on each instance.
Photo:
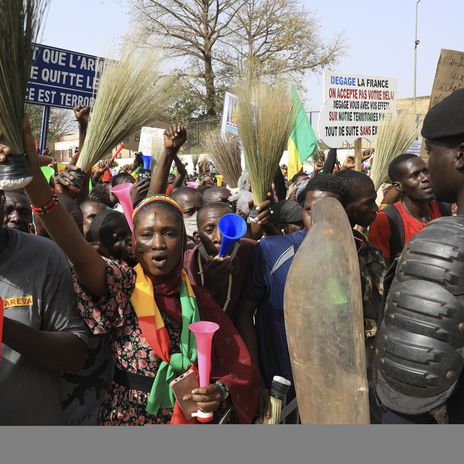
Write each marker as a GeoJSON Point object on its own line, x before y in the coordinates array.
{"type": "Point", "coordinates": [147, 311]}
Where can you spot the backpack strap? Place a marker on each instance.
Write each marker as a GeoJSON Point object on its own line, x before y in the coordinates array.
{"type": "Point", "coordinates": [445, 208]}
{"type": "Point", "coordinates": [396, 229]}
{"type": "Point", "coordinates": [387, 281]}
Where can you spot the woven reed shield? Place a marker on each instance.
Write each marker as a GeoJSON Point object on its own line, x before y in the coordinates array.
{"type": "Point", "coordinates": [324, 322]}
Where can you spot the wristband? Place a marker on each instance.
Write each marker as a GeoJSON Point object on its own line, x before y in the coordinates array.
{"type": "Point", "coordinates": [49, 207]}
{"type": "Point", "coordinates": [224, 389]}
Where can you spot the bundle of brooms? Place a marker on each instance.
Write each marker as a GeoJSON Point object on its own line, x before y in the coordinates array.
{"type": "Point", "coordinates": [130, 94]}
{"type": "Point", "coordinates": [225, 154]}
{"type": "Point", "coordinates": [20, 22]}
{"type": "Point", "coordinates": [265, 119]}
{"type": "Point", "coordinates": [396, 134]}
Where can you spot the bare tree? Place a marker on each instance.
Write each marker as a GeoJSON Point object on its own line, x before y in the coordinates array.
{"type": "Point", "coordinates": [61, 122]}
{"type": "Point", "coordinates": [273, 37]}
{"type": "Point", "coordinates": [190, 29]}
{"type": "Point", "coordinates": [214, 42]}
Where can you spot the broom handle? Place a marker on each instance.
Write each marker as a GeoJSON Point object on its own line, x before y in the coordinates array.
{"type": "Point", "coordinates": [119, 150]}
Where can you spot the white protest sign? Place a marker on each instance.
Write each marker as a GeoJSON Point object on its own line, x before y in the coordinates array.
{"type": "Point", "coordinates": [67, 145]}
{"type": "Point", "coordinates": [229, 114]}
{"type": "Point", "coordinates": [354, 107]}
{"type": "Point", "coordinates": [151, 141]}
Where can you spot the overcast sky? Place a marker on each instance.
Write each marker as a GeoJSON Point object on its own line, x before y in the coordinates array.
{"type": "Point", "coordinates": [379, 35]}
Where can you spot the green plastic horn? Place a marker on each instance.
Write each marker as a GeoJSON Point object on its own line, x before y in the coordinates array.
{"type": "Point", "coordinates": [48, 172]}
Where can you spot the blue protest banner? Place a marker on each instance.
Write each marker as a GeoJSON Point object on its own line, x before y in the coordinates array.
{"type": "Point", "coordinates": [62, 78]}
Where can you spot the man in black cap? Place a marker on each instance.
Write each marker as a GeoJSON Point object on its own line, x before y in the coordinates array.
{"type": "Point", "coordinates": [419, 354]}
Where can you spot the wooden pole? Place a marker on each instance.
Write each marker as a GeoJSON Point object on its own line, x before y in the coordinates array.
{"type": "Point", "coordinates": [358, 154]}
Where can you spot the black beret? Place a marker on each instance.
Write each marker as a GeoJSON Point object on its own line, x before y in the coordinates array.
{"type": "Point", "coordinates": [446, 119]}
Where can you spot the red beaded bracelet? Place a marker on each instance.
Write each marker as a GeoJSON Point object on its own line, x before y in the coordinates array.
{"type": "Point", "coordinates": [49, 207]}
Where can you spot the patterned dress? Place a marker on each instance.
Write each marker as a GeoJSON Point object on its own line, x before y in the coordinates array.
{"type": "Point", "coordinates": [113, 314]}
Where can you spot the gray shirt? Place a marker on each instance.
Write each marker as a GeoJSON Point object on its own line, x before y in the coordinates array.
{"type": "Point", "coordinates": [36, 285]}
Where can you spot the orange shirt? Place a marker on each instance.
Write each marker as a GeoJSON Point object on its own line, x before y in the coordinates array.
{"type": "Point", "coordinates": [380, 233]}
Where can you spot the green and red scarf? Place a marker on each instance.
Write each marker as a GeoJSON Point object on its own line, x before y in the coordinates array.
{"type": "Point", "coordinates": [153, 329]}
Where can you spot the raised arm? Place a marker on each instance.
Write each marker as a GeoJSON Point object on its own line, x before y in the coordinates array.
{"type": "Point", "coordinates": [181, 173]}
{"type": "Point", "coordinates": [261, 223]}
{"type": "Point", "coordinates": [174, 137]}
{"type": "Point", "coordinates": [102, 166]}
{"type": "Point", "coordinates": [82, 116]}
{"type": "Point", "coordinates": [88, 264]}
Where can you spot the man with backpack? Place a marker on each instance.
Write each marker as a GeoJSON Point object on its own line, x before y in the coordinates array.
{"type": "Point", "coordinates": [396, 224]}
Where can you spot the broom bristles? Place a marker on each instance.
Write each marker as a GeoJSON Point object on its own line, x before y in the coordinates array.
{"type": "Point", "coordinates": [395, 136]}
{"type": "Point", "coordinates": [265, 118]}
{"type": "Point", "coordinates": [131, 93]}
{"type": "Point", "coordinates": [276, 411]}
{"type": "Point", "coordinates": [157, 145]}
{"type": "Point", "coordinates": [20, 22]}
{"type": "Point", "coordinates": [225, 154]}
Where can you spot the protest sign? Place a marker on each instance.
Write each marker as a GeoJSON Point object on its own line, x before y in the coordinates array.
{"type": "Point", "coordinates": [449, 75]}
{"type": "Point", "coordinates": [354, 107]}
{"type": "Point", "coordinates": [62, 78]}
{"type": "Point", "coordinates": [229, 115]}
{"type": "Point", "coordinates": [67, 145]}
{"type": "Point", "coordinates": [151, 141]}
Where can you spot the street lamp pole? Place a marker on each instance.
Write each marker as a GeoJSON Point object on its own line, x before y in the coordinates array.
{"type": "Point", "coordinates": [416, 43]}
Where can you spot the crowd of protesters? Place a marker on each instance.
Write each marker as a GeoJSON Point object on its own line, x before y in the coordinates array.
{"type": "Point", "coordinates": [97, 309]}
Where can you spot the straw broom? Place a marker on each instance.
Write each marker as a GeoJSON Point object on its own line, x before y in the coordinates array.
{"type": "Point", "coordinates": [265, 118]}
{"type": "Point", "coordinates": [225, 154]}
{"type": "Point", "coordinates": [20, 22]}
{"type": "Point", "coordinates": [396, 133]}
{"type": "Point", "coordinates": [131, 92]}
{"type": "Point", "coordinates": [157, 146]}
